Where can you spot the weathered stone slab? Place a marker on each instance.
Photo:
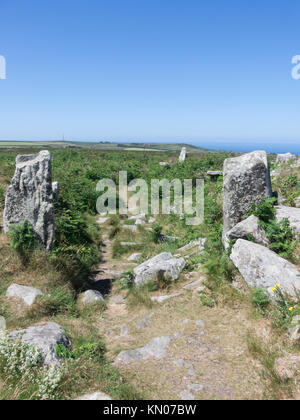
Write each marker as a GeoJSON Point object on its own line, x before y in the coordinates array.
{"type": "Point", "coordinates": [247, 228]}
{"type": "Point", "coordinates": [182, 155]}
{"type": "Point", "coordinates": [261, 267]}
{"type": "Point", "coordinates": [157, 347]}
{"type": "Point", "coordinates": [246, 180]}
{"type": "Point", "coordinates": [162, 266]}
{"type": "Point", "coordinates": [285, 157]}
{"type": "Point", "coordinates": [26, 293]}
{"type": "Point", "coordinates": [29, 196]}
{"type": "Point", "coordinates": [91, 296]}
{"type": "Point", "coordinates": [44, 338]}
{"type": "Point", "coordinates": [290, 213]}
{"type": "Point", "coordinates": [96, 396]}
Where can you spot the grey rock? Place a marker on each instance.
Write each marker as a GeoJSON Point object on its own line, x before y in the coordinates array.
{"type": "Point", "coordinates": [287, 367]}
{"type": "Point", "coordinates": [246, 181]}
{"type": "Point", "coordinates": [163, 163]}
{"type": "Point", "coordinates": [2, 323]}
{"type": "Point", "coordinates": [196, 387]}
{"type": "Point", "coordinates": [123, 331]}
{"type": "Point", "coordinates": [193, 284]}
{"type": "Point", "coordinates": [163, 266]}
{"type": "Point", "coordinates": [275, 172]}
{"type": "Point", "coordinates": [128, 244]}
{"type": "Point", "coordinates": [132, 228]}
{"type": "Point", "coordinates": [26, 293]}
{"type": "Point", "coordinates": [140, 222]}
{"type": "Point", "coordinates": [151, 220]}
{"type": "Point", "coordinates": [297, 201]}
{"type": "Point", "coordinates": [179, 362]}
{"type": "Point", "coordinates": [102, 220]}
{"type": "Point", "coordinates": [200, 323]}
{"type": "Point", "coordinates": [290, 213]}
{"type": "Point", "coordinates": [294, 329]}
{"type": "Point", "coordinates": [91, 296]}
{"type": "Point", "coordinates": [44, 338]}
{"type": "Point", "coordinates": [135, 257]}
{"type": "Point", "coordinates": [137, 217]}
{"type": "Point", "coordinates": [96, 396]}
{"type": "Point", "coordinates": [261, 267]}
{"type": "Point", "coordinates": [144, 322]}
{"type": "Point", "coordinates": [285, 157]}
{"type": "Point", "coordinates": [182, 155]}
{"type": "Point", "coordinates": [200, 242]}
{"type": "Point", "coordinates": [155, 348]}
{"type": "Point", "coordinates": [167, 238]}
{"type": "Point", "coordinates": [161, 299]}
{"type": "Point", "coordinates": [186, 395]}
{"type": "Point", "coordinates": [247, 228]}
{"type": "Point", "coordinates": [55, 190]}
{"type": "Point", "coordinates": [29, 196]}
{"type": "Point", "coordinates": [186, 321]}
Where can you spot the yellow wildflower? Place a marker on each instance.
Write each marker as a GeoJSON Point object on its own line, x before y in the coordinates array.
{"type": "Point", "coordinates": [291, 308]}
{"type": "Point", "coordinates": [273, 289]}
{"type": "Point", "coordinates": [276, 285]}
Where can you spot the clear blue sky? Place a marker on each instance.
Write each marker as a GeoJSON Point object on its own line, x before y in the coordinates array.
{"type": "Point", "coordinates": [165, 70]}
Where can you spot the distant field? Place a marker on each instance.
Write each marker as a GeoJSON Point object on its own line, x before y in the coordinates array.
{"type": "Point", "coordinates": [149, 147]}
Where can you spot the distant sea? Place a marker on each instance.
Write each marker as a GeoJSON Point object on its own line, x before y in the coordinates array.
{"type": "Point", "coordinates": [250, 147]}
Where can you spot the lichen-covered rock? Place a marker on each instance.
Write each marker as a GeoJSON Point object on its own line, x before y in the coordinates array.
{"type": "Point", "coordinates": [26, 293]}
{"type": "Point", "coordinates": [246, 180]}
{"type": "Point", "coordinates": [287, 367]}
{"type": "Point", "coordinates": [285, 157]}
{"type": "Point", "coordinates": [261, 267]}
{"type": "Point", "coordinates": [91, 296]}
{"type": "Point", "coordinates": [290, 213]}
{"type": "Point", "coordinates": [44, 338]}
{"type": "Point", "coordinates": [245, 229]}
{"type": "Point", "coordinates": [29, 196]}
{"type": "Point", "coordinates": [163, 266]}
{"type": "Point", "coordinates": [55, 190]}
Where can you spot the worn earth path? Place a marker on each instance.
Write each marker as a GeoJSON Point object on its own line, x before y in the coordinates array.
{"type": "Point", "coordinates": [207, 356]}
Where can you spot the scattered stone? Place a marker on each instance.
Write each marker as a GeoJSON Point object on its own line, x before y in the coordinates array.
{"type": "Point", "coordinates": [29, 196]}
{"type": "Point", "coordinates": [102, 220]}
{"type": "Point", "coordinates": [123, 331]}
{"type": "Point", "coordinates": [182, 155]}
{"type": "Point", "coordinates": [91, 296]}
{"type": "Point", "coordinates": [96, 396]}
{"type": "Point", "coordinates": [161, 299]}
{"type": "Point", "coordinates": [186, 395]}
{"type": "Point", "coordinates": [191, 371]}
{"type": "Point", "coordinates": [137, 217]}
{"type": "Point", "coordinates": [167, 238]}
{"type": "Point", "coordinates": [144, 322]}
{"type": "Point", "coordinates": [261, 267]}
{"type": "Point", "coordinates": [177, 334]}
{"type": "Point", "coordinates": [163, 163]}
{"type": "Point", "coordinates": [2, 323]}
{"type": "Point", "coordinates": [179, 362]}
{"type": "Point", "coordinates": [26, 293]}
{"type": "Point", "coordinates": [200, 323]}
{"type": "Point", "coordinates": [186, 321]}
{"type": "Point", "coordinates": [287, 367]}
{"type": "Point", "coordinates": [297, 201]}
{"type": "Point", "coordinates": [275, 172]}
{"type": "Point", "coordinates": [247, 228]}
{"type": "Point", "coordinates": [193, 285]}
{"type": "Point", "coordinates": [246, 181]}
{"type": "Point", "coordinates": [132, 228]}
{"type": "Point", "coordinates": [135, 257]}
{"type": "Point", "coordinates": [294, 329]}
{"type": "Point", "coordinates": [163, 266]}
{"type": "Point", "coordinates": [200, 242]}
{"type": "Point", "coordinates": [290, 213]}
{"type": "Point", "coordinates": [140, 222]}
{"type": "Point", "coordinates": [151, 220]}
{"type": "Point", "coordinates": [196, 387]}
{"type": "Point", "coordinates": [285, 157]}
{"type": "Point", "coordinates": [55, 190]}
{"type": "Point", "coordinates": [214, 175]}
{"type": "Point", "coordinates": [44, 338]}
{"type": "Point", "coordinates": [155, 348]}
{"type": "Point", "coordinates": [129, 244]}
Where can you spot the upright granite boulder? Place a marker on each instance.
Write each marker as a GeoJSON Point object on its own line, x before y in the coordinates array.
{"type": "Point", "coordinates": [182, 155]}
{"type": "Point", "coordinates": [246, 180]}
{"type": "Point", "coordinates": [29, 196]}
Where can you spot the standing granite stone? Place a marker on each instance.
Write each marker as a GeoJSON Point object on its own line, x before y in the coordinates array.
{"type": "Point", "coordinates": [246, 180]}
{"type": "Point", "coordinates": [29, 196]}
{"type": "Point", "coordinates": [182, 155]}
